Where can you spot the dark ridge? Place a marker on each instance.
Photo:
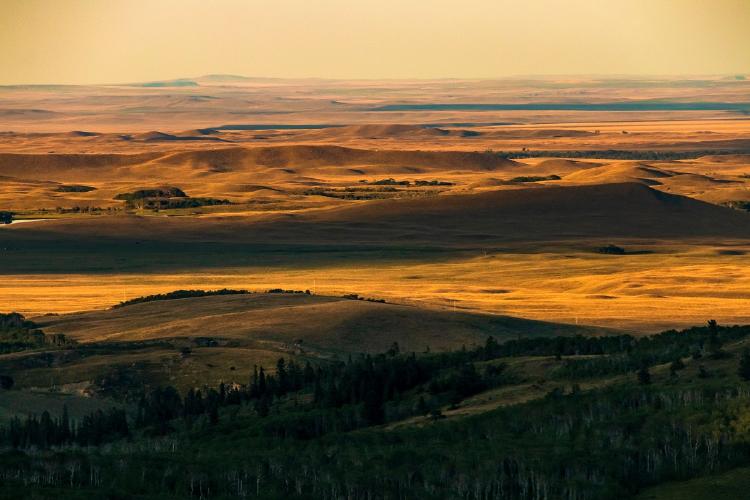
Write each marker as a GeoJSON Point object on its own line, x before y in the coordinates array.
{"type": "Point", "coordinates": [179, 294]}
{"type": "Point", "coordinates": [275, 127]}
{"type": "Point", "coordinates": [564, 106]}
{"type": "Point", "coordinates": [621, 154]}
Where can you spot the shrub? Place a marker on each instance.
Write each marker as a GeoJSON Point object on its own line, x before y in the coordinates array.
{"type": "Point", "coordinates": [612, 250]}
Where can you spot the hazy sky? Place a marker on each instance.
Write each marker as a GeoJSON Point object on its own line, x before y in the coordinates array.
{"type": "Point", "coordinates": [106, 41]}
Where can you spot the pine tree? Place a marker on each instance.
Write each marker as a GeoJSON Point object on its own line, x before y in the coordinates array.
{"type": "Point", "coordinates": [744, 369]}
{"type": "Point", "coordinates": [263, 406]}
{"type": "Point", "coordinates": [309, 373]}
{"type": "Point", "coordinates": [65, 425]}
{"type": "Point", "coordinates": [282, 376]}
{"type": "Point", "coordinates": [490, 348]}
{"type": "Point", "coordinates": [373, 411]}
{"type": "Point", "coordinates": [421, 408]}
{"type": "Point", "coordinates": [644, 377]}
{"type": "Point", "coordinates": [261, 383]}
{"type": "Point", "coordinates": [254, 390]}
{"type": "Point", "coordinates": [676, 366]}
{"type": "Point", "coordinates": [714, 344]}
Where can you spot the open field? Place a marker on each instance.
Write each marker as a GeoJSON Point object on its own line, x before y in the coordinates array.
{"type": "Point", "coordinates": [466, 229]}
{"type": "Point", "coordinates": [528, 252]}
{"type": "Point", "coordinates": [673, 286]}
{"type": "Point", "coordinates": [496, 250]}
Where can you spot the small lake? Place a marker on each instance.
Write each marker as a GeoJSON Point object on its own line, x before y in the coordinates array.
{"type": "Point", "coordinates": [23, 221]}
{"type": "Point", "coordinates": [645, 105]}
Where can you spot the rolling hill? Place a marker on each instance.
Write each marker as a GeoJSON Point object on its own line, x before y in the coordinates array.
{"type": "Point", "coordinates": [194, 341]}
{"type": "Point", "coordinates": [323, 323]}
{"type": "Point", "coordinates": [626, 210]}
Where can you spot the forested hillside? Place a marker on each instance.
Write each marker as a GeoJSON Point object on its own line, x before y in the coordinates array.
{"type": "Point", "coordinates": [601, 417]}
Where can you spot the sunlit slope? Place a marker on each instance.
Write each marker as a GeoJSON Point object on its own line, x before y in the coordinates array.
{"type": "Point", "coordinates": [307, 321]}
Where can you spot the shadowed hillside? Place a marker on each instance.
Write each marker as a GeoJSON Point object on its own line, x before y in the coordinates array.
{"type": "Point", "coordinates": [627, 210]}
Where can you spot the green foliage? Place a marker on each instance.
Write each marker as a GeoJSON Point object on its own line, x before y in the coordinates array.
{"type": "Point", "coordinates": [45, 432]}
{"type": "Point", "coordinates": [19, 334]}
{"type": "Point", "coordinates": [167, 192]}
{"type": "Point", "coordinates": [644, 376]}
{"type": "Point", "coordinates": [166, 198]}
{"type": "Point", "coordinates": [744, 368]}
{"type": "Point", "coordinates": [318, 431]}
{"type": "Point", "coordinates": [676, 366]}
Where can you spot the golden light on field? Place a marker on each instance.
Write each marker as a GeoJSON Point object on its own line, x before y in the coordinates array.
{"type": "Point", "coordinates": [82, 41]}
{"type": "Point", "coordinates": [676, 286]}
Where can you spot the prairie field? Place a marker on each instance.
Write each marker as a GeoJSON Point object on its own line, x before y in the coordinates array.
{"type": "Point", "coordinates": [242, 270]}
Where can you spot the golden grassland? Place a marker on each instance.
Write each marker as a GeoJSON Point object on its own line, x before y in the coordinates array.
{"type": "Point", "coordinates": [279, 177]}
{"type": "Point", "coordinates": [673, 286]}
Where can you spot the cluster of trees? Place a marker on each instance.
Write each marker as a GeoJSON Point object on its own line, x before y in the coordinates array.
{"type": "Point", "coordinates": [607, 443]}
{"type": "Point", "coordinates": [637, 353]}
{"type": "Point", "coordinates": [179, 294]}
{"type": "Point", "coordinates": [611, 250]}
{"type": "Point", "coordinates": [393, 182]}
{"type": "Point", "coordinates": [534, 178]}
{"type": "Point", "coordinates": [18, 334]}
{"type": "Point", "coordinates": [739, 205]}
{"type": "Point", "coordinates": [354, 296]}
{"type": "Point", "coordinates": [45, 432]}
{"type": "Point", "coordinates": [360, 392]}
{"type": "Point", "coordinates": [86, 209]}
{"type": "Point", "coordinates": [165, 192]}
{"type": "Point", "coordinates": [291, 438]}
{"type": "Point", "coordinates": [74, 188]}
{"type": "Point", "coordinates": [184, 294]}
{"type": "Point", "coordinates": [364, 387]}
{"type": "Point", "coordinates": [165, 198]}
{"type": "Point", "coordinates": [356, 193]}
{"type": "Point", "coordinates": [617, 154]}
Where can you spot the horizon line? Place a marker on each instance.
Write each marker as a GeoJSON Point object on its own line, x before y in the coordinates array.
{"type": "Point", "coordinates": [741, 76]}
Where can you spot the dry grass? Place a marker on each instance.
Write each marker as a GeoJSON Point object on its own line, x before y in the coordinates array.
{"type": "Point", "coordinates": [676, 285]}
{"type": "Point", "coordinates": [66, 266]}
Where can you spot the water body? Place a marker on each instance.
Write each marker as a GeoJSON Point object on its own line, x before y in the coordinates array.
{"type": "Point", "coordinates": [22, 221]}
{"type": "Point", "coordinates": [564, 106]}
{"type": "Point", "coordinates": [331, 125]}
{"type": "Point", "coordinates": [275, 127]}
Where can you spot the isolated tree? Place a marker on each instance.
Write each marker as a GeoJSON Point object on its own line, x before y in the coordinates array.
{"type": "Point", "coordinates": [421, 408]}
{"type": "Point", "coordinates": [559, 348]}
{"type": "Point", "coordinates": [263, 406]}
{"type": "Point", "coordinates": [676, 366]}
{"type": "Point", "coordinates": [644, 377]}
{"type": "Point", "coordinates": [282, 376]}
{"type": "Point", "coordinates": [714, 344]}
{"type": "Point", "coordinates": [394, 350]}
{"type": "Point", "coordinates": [744, 369]}
{"type": "Point", "coordinates": [373, 411]}
{"type": "Point", "coordinates": [491, 348]}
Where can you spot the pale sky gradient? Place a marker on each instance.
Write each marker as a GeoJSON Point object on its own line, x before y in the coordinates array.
{"type": "Point", "coordinates": [108, 41]}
